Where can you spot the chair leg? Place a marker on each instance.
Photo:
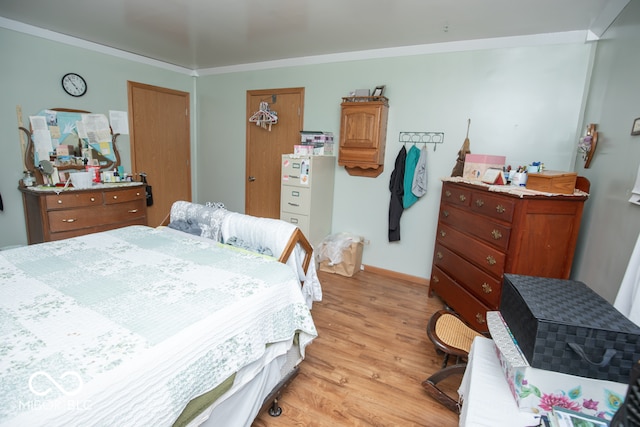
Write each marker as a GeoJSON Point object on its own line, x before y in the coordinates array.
{"type": "Point", "coordinates": [431, 386]}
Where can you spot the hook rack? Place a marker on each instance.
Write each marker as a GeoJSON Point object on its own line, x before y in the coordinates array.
{"type": "Point", "coordinates": [434, 138]}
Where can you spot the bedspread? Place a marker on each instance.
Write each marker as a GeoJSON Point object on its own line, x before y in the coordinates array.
{"type": "Point", "coordinates": [127, 326]}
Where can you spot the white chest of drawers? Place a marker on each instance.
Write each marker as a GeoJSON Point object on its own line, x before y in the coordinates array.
{"type": "Point", "coordinates": [306, 194]}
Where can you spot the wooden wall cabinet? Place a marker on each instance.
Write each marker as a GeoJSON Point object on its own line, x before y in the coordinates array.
{"type": "Point", "coordinates": [50, 216]}
{"type": "Point", "coordinates": [363, 135]}
{"type": "Point", "coordinates": [481, 235]}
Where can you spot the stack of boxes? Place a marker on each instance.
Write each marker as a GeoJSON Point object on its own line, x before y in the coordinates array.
{"type": "Point", "coordinates": [561, 344]}
{"type": "Point", "coordinates": [315, 143]}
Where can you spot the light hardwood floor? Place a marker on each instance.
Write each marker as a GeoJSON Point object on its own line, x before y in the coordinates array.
{"type": "Point", "coordinates": [370, 357]}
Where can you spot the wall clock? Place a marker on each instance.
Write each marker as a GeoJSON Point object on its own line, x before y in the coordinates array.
{"type": "Point", "coordinates": [74, 84]}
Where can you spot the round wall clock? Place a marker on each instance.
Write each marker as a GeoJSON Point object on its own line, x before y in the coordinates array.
{"type": "Point", "coordinates": [74, 84]}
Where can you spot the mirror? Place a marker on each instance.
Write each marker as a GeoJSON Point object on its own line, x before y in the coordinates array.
{"type": "Point", "coordinates": [66, 139]}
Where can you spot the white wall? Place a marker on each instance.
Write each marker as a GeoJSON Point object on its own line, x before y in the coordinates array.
{"type": "Point", "coordinates": [611, 224]}
{"type": "Point", "coordinates": [523, 103]}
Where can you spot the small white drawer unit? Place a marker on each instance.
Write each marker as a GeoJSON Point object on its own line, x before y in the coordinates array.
{"type": "Point", "coordinates": [306, 194]}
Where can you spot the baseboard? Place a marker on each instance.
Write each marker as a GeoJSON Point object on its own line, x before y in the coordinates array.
{"type": "Point", "coordinates": [397, 275]}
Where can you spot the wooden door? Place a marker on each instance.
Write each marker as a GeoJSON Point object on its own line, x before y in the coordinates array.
{"type": "Point", "coordinates": [265, 148]}
{"type": "Point", "coordinates": [160, 145]}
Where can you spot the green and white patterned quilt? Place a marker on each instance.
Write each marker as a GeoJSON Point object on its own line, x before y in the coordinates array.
{"type": "Point", "coordinates": [127, 326]}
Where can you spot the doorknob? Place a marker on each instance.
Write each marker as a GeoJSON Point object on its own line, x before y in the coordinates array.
{"type": "Point", "coordinates": [252, 178]}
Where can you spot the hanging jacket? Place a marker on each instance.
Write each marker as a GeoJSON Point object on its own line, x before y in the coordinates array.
{"type": "Point", "coordinates": [396, 186]}
{"type": "Point", "coordinates": [419, 185]}
{"type": "Point", "coordinates": [408, 198]}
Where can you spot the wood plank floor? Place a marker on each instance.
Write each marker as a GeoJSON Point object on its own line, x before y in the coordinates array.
{"type": "Point", "coordinates": [368, 362]}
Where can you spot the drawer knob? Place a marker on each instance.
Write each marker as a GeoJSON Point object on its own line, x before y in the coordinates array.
{"type": "Point", "coordinates": [132, 210]}
{"type": "Point", "coordinates": [479, 318]}
{"type": "Point", "coordinates": [445, 213]}
{"type": "Point", "coordinates": [138, 193]}
{"type": "Point", "coordinates": [496, 234]}
{"type": "Point", "coordinates": [115, 197]}
{"type": "Point", "coordinates": [69, 220]}
{"type": "Point", "coordinates": [439, 255]}
{"type": "Point", "coordinates": [447, 193]}
{"type": "Point", "coordinates": [486, 288]}
{"type": "Point", "coordinates": [500, 209]}
{"type": "Point", "coordinates": [93, 199]}
{"type": "Point", "coordinates": [59, 201]}
{"type": "Point", "coordinates": [491, 260]}
{"type": "Point", "coordinates": [443, 233]}
{"type": "Point", "coordinates": [462, 197]}
{"type": "Point", "coordinates": [479, 203]}
{"type": "Point", "coordinates": [435, 279]}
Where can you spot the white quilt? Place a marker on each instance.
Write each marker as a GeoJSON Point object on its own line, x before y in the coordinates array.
{"type": "Point", "coordinates": [126, 327]}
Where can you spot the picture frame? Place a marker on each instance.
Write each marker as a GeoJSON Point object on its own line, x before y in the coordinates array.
{"type": "Point", "coordinates": [378, 91]}
{"type": "Point", "coordinates": [635, 129]}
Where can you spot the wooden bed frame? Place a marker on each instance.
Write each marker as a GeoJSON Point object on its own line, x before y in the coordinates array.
{"type": "Point", "coordinates": [297, 237]}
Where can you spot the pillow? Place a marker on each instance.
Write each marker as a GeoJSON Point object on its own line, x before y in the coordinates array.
{"type": "Point", "coordinates": [239, 243]}
{"type": "Point", "coordinates": [185, 226]}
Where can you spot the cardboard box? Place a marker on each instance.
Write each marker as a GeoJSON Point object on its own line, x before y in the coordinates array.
{"type": "Point", "coordinates": [475, 165]}
{"type": "Point", "coordinates": [538, 390]}
{"type": "Point", "coordinates": [564, 326]}
{"type": "Point", "coordinates": [552, 182]}
{"type": "Point", "coordinates": [351, 261]}
{"type": "Point", "coordinates": [303, 149]}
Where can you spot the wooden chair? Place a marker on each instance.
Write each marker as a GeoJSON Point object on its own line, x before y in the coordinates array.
{"type": "Point", "coordinates": [451, 336]}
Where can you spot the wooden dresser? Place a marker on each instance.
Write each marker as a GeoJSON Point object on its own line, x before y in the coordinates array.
{"type": "Point", "coordinates": [482, 234]}
{"type": "Point", "coordinates": [50, 216]}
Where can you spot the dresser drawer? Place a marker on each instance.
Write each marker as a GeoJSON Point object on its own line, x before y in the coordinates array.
{"type": "Point", "coordinates": [73, 200]}
{"type": "Point", "coordinates": [87, 217]}
{"type": "Point", "coordinates": [295, 199]}
{"type": "Point", "coordinates": [300, 221]}
{"type": "Point", "coordinates": [456, 195]}
{"type": "Point", "coordinates": [491, 232]}
{"type": "Point", "coordinates": [481, 284]}
{"type": "Point", "coordinates": [128, 195]}
{"type": "Point", "coordinates": [296, 172]}
{"type": "Point", "coordinates": [484, 256]}
{"type": "Point", "coordinates": [497, 207]}
{"type": "Point", "coordinates": [470, 308]}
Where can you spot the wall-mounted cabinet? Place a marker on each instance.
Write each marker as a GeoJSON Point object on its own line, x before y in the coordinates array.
{"type": "Point", "coordinates": [363, 135]}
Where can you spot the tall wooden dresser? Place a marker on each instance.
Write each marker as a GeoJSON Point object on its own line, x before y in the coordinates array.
{"type": "Point", "coordinates": [306, 194]}
{"type": "Point", "coordinates": [483, 234]}
{"type": "Point", "coordinates": [54, 216]}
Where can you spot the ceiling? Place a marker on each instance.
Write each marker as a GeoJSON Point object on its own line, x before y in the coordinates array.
{"type": "Point", "coordinates": [204, 34]}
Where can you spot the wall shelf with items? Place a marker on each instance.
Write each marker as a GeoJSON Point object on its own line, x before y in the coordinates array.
{"type": "Point", "coordinates": [363, 135]}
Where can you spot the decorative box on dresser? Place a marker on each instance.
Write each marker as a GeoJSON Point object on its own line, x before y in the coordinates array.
{"type": "Point", "coordinates": [306, 194]}
{"type": "Point", "coordinates": [51, 214]}
{"type": "Point", "coordinates": [483, 234]}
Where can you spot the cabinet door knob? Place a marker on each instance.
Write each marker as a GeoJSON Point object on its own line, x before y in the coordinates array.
{"type": "Point", "coordinates": [491, 260]}
{"type": "Point", "coordinates": [500, 209]}
{"type": "Point", "coordinates": [496, 234]}
{"type": "Point", "coordinates": [479, 203]}
{"type": "Point", "coordinates": [480, 318]}
{"type": "Point", "coordinates": [486, 288]}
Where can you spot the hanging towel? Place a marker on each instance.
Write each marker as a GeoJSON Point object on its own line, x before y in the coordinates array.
{"type": "Point", "coordinates": [628, 298]}
{"type": "Point", "coordinates": [409, 198]}
{"type": "Point", "coordinates": [396, 186]}
{"type": "Point", "coordinates": [419, 185]}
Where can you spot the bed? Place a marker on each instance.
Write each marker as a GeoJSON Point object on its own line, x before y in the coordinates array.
{"type": "Point", "coordinates": [152, 326]}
